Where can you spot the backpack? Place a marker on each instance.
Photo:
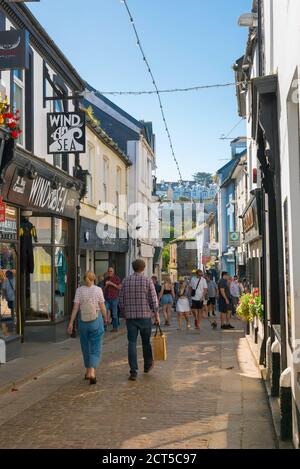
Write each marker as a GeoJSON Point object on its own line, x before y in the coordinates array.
{"type": "Point", "coordinates": [88, 311]}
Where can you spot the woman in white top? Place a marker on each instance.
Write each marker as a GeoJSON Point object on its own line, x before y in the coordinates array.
{"type": "Point", "coordinates": [90, 301]}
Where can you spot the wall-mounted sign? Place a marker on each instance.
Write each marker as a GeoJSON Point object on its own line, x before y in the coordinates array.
{"type": "Point", "coordinates": [42, 193]}
{"type": "Point", "coordinates": [234, 238]}
{"type": "Point", "coordinates": [66, 132]}
{"type": "Point", "coordinates": [14, 49]}
{"type": "Point", "coordinates": [249, 219]}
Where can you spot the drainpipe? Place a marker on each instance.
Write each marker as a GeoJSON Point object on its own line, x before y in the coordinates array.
{"type": "Point", "coordinates": [259, 37]}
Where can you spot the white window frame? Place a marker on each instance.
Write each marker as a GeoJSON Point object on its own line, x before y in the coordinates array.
{"type": "Point", "coordinates": [90, 179]}
{"type": "Point", "coordinates": [105, 178]}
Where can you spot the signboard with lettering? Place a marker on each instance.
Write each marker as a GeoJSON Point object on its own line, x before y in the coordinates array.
{"type": "Point", "coordinates": [8, 227]}
{"type": "Point", "coordinates": [251, 220]}
{"type": "Point", "coordinates": [66, 132]}
{"type": "Point", "coordinates": [42, 193]}
{"type": "Point", "coordinates": [14, 49]}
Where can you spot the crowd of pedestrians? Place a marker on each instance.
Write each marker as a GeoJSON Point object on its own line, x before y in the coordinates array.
{"type": "Point", "coordinates": [140, 301]}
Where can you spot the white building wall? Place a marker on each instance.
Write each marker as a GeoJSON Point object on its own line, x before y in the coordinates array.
{"type": "Point", "coordinates": [281, 52]}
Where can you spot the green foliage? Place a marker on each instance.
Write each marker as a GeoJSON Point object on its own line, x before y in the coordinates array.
{"type": "Point", "coordinates": [250, 306]}
{"type": "Point", "coordinates": [166, 258]}
{"type": "Point", "coordinates": [203, 178]}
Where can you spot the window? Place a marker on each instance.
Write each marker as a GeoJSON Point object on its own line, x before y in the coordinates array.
{"type": "Point", "coordinates": [105, 179]}
{"type": "Point", "coordinates": [89, 179]}
{"type": "Point", "coordinates": [149, 173]}
{"type": "Point", "coordinates": [101, 260]}
{"type": "Point", "coordinates": [46, 288]}
{"type": "Point", "coordinates": [19, 99]}
{"type": "Point", "coordinates": [118, 190]}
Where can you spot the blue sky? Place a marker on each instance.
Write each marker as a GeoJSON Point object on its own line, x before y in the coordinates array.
{"type": "Point", "coordinates": [187, 42]}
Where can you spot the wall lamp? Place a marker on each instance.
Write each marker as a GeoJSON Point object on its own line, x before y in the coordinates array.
{"type": "Point", "coordinates": [28, 171]}
{"type": "Point", "coordinates": [248, 20]}
{"type": "Point", "coordinates": [54, 183]}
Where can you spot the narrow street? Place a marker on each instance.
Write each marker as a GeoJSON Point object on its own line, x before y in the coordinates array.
{"type": "Point", "coordinates": [208, 394]}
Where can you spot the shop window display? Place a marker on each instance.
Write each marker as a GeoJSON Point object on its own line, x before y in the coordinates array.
{"type": "Point", "coordinates": [40, 294]}
{"type": "Point", "coordinates": [46, 279]}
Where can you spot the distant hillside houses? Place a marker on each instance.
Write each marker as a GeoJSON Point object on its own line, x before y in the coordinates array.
{"type": "Point", "coordinates": [190, 190]}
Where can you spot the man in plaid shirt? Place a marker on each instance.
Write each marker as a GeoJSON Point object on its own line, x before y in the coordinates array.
{"type": "Point", "coordinates": [138, 304]}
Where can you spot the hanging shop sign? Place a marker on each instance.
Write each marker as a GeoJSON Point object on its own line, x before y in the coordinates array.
{"type": "Point", "coordinates": [2, 210]}
{"type": "Point", "coordinates": [234, 238]}
{"type": "Point", "coordinates": [14, 49]}
{"type": "Point", "coordinates": [66, 132]}
{"type": "Point", "coordinates": [251, 219]}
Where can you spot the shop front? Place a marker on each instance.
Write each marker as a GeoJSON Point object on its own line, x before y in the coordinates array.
{"type": "Point", "coordinates": [37, 249]}
{"type": "Point", "coordinates": [252, 239]}
{"type": "Point", "coordinates": [102, 246]}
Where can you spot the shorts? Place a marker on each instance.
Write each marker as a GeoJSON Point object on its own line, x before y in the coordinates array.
{"type": "Point", "coordinates": [223, 307]}
{"type": "Point", "coordinates": [10, 304]}
{"type": "Point", "coordinates": [197, 304]}
{"type": "Point", "coordinates": [211, 301]}
{"type": "Point", "coordinates": [166, 300]}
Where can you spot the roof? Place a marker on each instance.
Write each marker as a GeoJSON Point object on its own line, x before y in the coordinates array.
{"type": "Point", "coordinates": [227, 170]}
{"type": "Point", "coordinates": [22, 17]}
{"type": "Point", "coordinates": [107, 140]}
{"type": "Point", "coordinates": [120, 125]}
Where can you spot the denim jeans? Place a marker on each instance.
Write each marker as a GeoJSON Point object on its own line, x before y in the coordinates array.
{"type": "Point", "coordinates": [134, 326]}
{"type": "Point", "coordinates": [91, 337]}
{"type": "Point", "coordinates": [113, 306]}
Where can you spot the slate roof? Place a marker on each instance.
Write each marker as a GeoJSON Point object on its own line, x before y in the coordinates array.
{"type": "Point", "coordinates": [226, 171]}
{"type": "Point", "coordinates": [117, 130]}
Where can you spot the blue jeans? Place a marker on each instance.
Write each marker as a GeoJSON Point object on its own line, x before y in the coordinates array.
{"type": "Point", "coordinates": [112, 305]}
{"type": "Point", "coordinates": [134, 326]}
{"type": "Point", "coordinates": [91, 337]}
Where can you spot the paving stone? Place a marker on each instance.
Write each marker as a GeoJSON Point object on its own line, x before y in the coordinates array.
{"type": "Point", "coordinates": [189, 401]}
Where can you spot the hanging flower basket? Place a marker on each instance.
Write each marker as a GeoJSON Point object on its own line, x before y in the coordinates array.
{"type": "Point", "coordinates": [8, 119]}
{"type": "Point", "coordinates": [250, 308]}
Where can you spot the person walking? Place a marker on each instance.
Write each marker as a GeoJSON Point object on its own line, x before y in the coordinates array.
{"type": "Point", "coordinates": [198, 290]}
{"type": "Point", "coordinates": [183, 305]}
{"type": "Point", "coordinates": [235, 294]}
{"type": "Point", "coordinates": [138, 303]}
{"type": "Point", "coordinates": [212, 292]}
{"type": "Point", "coordinates": [89, 300]}
{"type": "Point", "coordinates": [156, 284]}
{"type": "Point", "coordinates": [224, 301]}
{"type": "Point", "coordinates": [112, 285]}
{"type": "Point", "coordinates": [166, 297]}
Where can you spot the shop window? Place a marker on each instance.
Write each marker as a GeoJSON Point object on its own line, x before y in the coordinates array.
{"type": "Point", "coordinates": [39, 301]}
{"type": "Point", "coordinates": [8, 284]}
{"type": "Point", "coordinates": [60, 231]}
{"type": "Point", "coordinates": [43, 228]}
{"type": "Point", "coordinates": [101, 260]}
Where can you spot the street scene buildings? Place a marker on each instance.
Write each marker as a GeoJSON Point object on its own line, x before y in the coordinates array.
{"type": "Point", "coordinates": [80, 194]}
